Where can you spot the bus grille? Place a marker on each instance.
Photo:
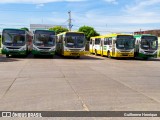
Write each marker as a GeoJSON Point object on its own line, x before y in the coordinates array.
{"type": "Point", "coordinates": [13, 47]}
{"type": "Point", "coordinates": [149, 51]}
{"type": "Point", "coordinates": [74, 49]}
{"type": "Point", "coordinates": [44, 48]}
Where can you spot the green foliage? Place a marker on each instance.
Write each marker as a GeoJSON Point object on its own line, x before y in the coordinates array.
{"type": "Point", "coordinates": [59, 29]}
{"type": "Point", "coordinates": [25, 29]}
{"type": "Point", "coordinates": [88, 31]}
{"type": "Point", "coordinates": [0, 40]}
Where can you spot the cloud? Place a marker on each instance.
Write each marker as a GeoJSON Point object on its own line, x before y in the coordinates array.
{"type": "Point", "coordinates": [141, 5]}
{"type": "Point", "coordinates": [39, 5]}
{"type": "Point", "coordinates": [36, 1]}
{"type": "Point", "coordinates": [112, 1]}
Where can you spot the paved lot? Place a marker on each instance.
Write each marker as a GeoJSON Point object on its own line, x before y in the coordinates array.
{"type": "Point", "coordinates": [87, 84]}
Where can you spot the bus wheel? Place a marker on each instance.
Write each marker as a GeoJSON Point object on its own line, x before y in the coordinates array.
{"type": "Point", "coordinates": [96, 52]}
{"type": "Point", "coordinates": [102, 55]}
{"type": "Point", "coordinates": [35, 56]}
{"type": "Point", "coordinates": [145, 58]}
{"type": "Point", "coordinates": [77, 57]}
{"type": "Point", "coordinates": [7, 55]}
{"type": "Point", "coordinates": [108, 54]}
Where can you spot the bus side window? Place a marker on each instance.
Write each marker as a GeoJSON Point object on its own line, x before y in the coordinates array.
{"type": "Point", "coordinates": [90, 42]}
{"type": "Point", "coordinates": [105, 41]}
{"type": "Point", "coordinates": [109, 41]}
{"type": "Point", "coordinates": [97, 41]}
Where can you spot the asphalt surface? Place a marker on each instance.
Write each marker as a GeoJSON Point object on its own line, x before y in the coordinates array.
{"type": "Point", "coordinates": [90, 83]}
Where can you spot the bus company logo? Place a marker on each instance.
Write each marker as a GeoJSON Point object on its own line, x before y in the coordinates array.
{"type": "Point", "coordinates": [6, 114]}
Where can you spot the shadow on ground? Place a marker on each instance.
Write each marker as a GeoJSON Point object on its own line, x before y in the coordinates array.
{"type": "Point", "coordinates": [4, 59]}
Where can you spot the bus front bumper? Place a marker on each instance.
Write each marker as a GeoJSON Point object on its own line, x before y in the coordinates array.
{"type": "Point", "coordinates": [35, 52]}
{"type": "Point", "coordinates": [13, 52]}
{"type": "Point", "coordinates": [70, 53]}
{"type": "Point", "coordinates": [125, 55]}
{"type": "Point", "coordinates": [147, 55]}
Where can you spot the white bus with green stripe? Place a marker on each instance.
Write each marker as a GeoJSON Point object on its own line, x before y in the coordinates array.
{"type": "Point", "coordinates": [44, 42]}
{"type": "Point", "coordinates": [16, 42]}
{"type": "Point", "coordinates": [146, 46]}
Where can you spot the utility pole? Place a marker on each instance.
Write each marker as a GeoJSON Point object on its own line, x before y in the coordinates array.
{"type": "Point", "coordinates": [70, 21]}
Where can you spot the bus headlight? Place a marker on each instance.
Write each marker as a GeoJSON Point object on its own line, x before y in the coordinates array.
{"type": "Point", "coordinates": [132, 51]}
{"type": "Point", "coordinates": [4, 48]}
{"type": "Point", "coordinates": [35, 48]}
{"type": "Point", "coordinates": [67, 50]}
{"type": "Point", "coordinates": [53, 49]}
{"type": "Point", "coordinates": [23, 48]}
{"type": "Point", "coordinates": [119, 52]}
{"type": "Point", "coordinates": [141, 51]}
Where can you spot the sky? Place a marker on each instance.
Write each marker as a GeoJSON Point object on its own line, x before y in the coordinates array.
{"type": "Point", "coordinates": [104, 15]}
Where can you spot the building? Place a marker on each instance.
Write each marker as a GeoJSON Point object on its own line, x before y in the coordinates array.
{"type": "Point", "coordinates": [153, 32]}
{"type": "Point", "coordinates": [33, 27]}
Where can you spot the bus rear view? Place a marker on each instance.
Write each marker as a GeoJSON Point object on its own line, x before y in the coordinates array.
{"type": "Point", "coordinates": [44, 42]}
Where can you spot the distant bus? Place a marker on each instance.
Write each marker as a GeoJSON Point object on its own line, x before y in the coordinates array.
{"type": "Point", "coordinates": [44, 42]}
{"type": "Point", "coordinates": [146, 46]}
{"type": "Point", "coordinates": [71, 44]}
{"type": "Point", "coordinates": [113, 45]}
{"type": "Point", "coordinates": [158, 46]}
{"type": "Point", "coordinates": [16, 42]}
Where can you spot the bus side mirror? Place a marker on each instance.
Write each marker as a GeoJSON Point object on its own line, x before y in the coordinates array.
{"type": "Point", "coordinates": [0, 36]}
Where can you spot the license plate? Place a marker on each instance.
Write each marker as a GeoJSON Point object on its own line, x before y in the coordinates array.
{"type": "Point", "coordinates": [74, 54]}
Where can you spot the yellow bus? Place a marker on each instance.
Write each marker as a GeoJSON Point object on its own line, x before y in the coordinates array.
{"type": "Point", "coordinates": [113, 45]}
{"type": "Point", "coordinates": [159, 46]}
{"type": "Point", "coordinates": [71, 44]}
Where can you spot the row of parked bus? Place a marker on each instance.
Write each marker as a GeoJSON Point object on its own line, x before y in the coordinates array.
{"type": "Point", "coordinates": [46, 42]}
{"type": "Point", "coordinates": [125, 45]}
{"type": "Point", "coordinates": [42, 42]}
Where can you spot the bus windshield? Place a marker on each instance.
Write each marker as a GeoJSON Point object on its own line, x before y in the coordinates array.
{"type": "Point", "coordinates": [149, 43]}
{"type": "Point", "coordinates": [44, 39]}
{"type": "Point", "coordinates": [13, 38]}
{"type": "Point", "coordinates": [125, 42]}
{"type": "Point", "coordinates": [75, 41]}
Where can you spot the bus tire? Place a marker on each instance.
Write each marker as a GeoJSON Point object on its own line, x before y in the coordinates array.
{"type": "Point", "coordinates": [96, 52]}
{"type": "Point", "coordinates": [102, 55]}
{"type": "Point", "coordinates": [108, 54]}
{"type": "Point", "coordinates": [145, 58]}
{"type": "Point", "coordinates": [77, 57]}
{"type": "Point", "coordinates": [35, 56]}
{"type": "Point", "coordinates": [7, 55]}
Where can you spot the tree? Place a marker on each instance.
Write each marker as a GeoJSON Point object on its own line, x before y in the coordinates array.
{"type": "Point", "coordinates": [25, 29]}
{"type": "Point", "coordinates": [88, 31]}
{"type": "Point", "coordinates": [59, 29]}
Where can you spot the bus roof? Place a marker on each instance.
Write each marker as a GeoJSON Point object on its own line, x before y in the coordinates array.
{"type": "Point", "coordinates": [69, 32]}
{"type": "Point", "coordinates": [98, 37]}
{"type": "Point", "coordinates": [116, 34]}
{"type": "Point", "coordinates": [140, 35]}
{"type": "Point", "coordinates": [110, 35]}
{"type": "Point", "coordinates": [13, 29]}
{"type": "Point", "coordinates": [28, 32]}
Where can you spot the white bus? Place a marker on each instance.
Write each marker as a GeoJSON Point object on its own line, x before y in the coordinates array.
{"type": "Point", "coordinates": [44, 42]}
{"type": "Point", "coordinates": [146, 46]}
{"type": "Point", "coordinates": [16, 42]}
